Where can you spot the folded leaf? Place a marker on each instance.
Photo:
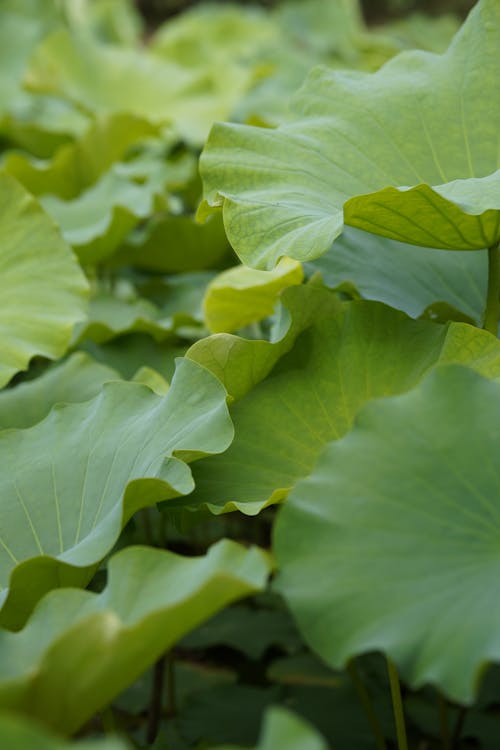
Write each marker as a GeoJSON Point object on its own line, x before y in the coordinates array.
{"type": "Point", "coordinates": [283, 191]}
{"type": "Point", "coordinates": [78, 378]}
{"type": "Point", "coordinates": [80, 649]}
{"type": "Point", "coordinates": [344, 356]}
{"type": "Point", "coordinates": [240, 295]}
{"type": "Point", "coordinates": [43, 290]}
{"type": "Point", "coordinates": [96, 464]}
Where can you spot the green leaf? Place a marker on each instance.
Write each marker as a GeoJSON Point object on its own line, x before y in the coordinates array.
{"type": "Point", "coordinates": [19, 34]}
{"type": "Point", "coordinates": [240, 295]}
{"type": "Point", "coordinates": [460, 215]}
{"type": "Point", "coordinates": [41, 124]}
{"type": "Point", "coordinates": [422, 31]}
{"type": "Point", "coordinates": [78, 378]}
{"type": "Point", "coordinates": [401, 516]}
{"type": "Point", "coordinates": [117, 21]}
{"type": "Point", "coordinates": [79, 165]}
{"type": "Point", "coordinates": [96, 464]}
{"type": "Point", "coordinates": [106, 78]}
{"type": "Point", "coordinates": [80, 649]}
{"type": "Point", "coordinates": [96, 221]}
{"type": "Point", "coordinates": [43, 290]}
{"type": "Point", "coordinates": [242, 363]}
{"type": "Point", "coordinates": [176, 244]}
{"type": "Point", "coordinates": [17, 734]}
{"type": "Point", "coordinates": [110, 316]}
{"type": "Point", "coordinates": [405, 277]}
{"type": "Point", "coordinates": [283, 191]}
{"type": "Point", "coordinates": [128, 353]}
{"type": "Point", "coordinates": [345, 356]}
{"type": "Point", "coordinates": [282, 729]}
{"type": "Point", "coordinates": [225, 714]}
{"type": "Point", "coordinates": [159, 306]}
{"type": "Point", "coordinates": [214, 34]}
{"type": "Point", "coordinates": [252, 631]}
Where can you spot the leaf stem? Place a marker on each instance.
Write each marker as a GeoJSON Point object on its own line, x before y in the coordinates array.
{"type": "Point", "coordinates": [171, 708]}
{"type": "Point", "coordinates": [155, 705]}
{"type": "Point", "coordinates": [397, 705]}
{"type": "Point", "coordinates": [444, 723]}
{"type": "Point", "coordinates": [366, 703]}
{"type": "Point", "coordinates": [459, 725]}
{"type": "Point", "coordinates": [492, 311]}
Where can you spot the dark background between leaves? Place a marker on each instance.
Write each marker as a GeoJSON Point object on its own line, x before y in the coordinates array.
{"type": "Point", "coordinates": [156, 11]}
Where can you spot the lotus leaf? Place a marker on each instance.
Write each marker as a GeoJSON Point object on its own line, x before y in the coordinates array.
{"type": "Point", "coordinates": [241, 295]}
{"type": "Point", "coordinates": [344, 357]}
{"type": "Point", "coordinates": [80, 649]}
{"type": "Point", "coordinates": [78, 378]}
{"type": "Point", "coordinates": [43, 290]}
{"type": "Point", "coordinates": [79, 165]}
{"type": "Point", "coordinates": [108, 78]}
{"type": "Point", "coordinates": [176, 243]}
{"type": "Point", "coordinates": [96, 221]}
{"type": "Point", "coordinates": [401, 516]}
{"type": "Point", "coordinates": [348, 156]}
{"type": "Point", "coordinates": [284, 730]}
{"type": "Point", "coordinates": [97, 463]}
{"type": "Point", "coordinates": [16, 734]}
{"type": "Point", "coordinates": [418, 277]}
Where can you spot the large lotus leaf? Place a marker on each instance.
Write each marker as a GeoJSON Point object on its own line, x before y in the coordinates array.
{"type": "Point", "coordinates": [282, 729]}
{"type": "Point", "coordinates": [80, 649]}
{"type": "Point", "coordinates": [403, 276]}
{"type": "Point", "coordinates": [43, 290]}
{"type": "Point", "coordinates": [97, 463]}
{"type": "Point", "coordinates": [385, 134]}
{"type": "Point", "coordinates": [78, 378]}
{"type": "Point", "coordinates": [241, 295]}
{"type": "Point", "coordinates": [401, 517]}
{"type": "Point", "coordinates": [175, 244]}
{"type": "Point", "coordinates": [343, 359]}
{"type": "Point", "coordinates": [107, 78]}
{"type": "Point", "coordinates": [78, 165]}
{"type": "Point", "coordinates": [17, 734]}
{"type": "Point", "coordinates": [96, 221]}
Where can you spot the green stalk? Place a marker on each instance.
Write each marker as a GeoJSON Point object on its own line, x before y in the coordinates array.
{"type": "Point", "coordinates": [366, 703]}
{"type": "Point", "coordinates": [397, 706]}
{"type": "Point", "coordinates": [156, 701]}
{"type": "Point", "coordinates": [492, 312]}
{"type": "Point", "coordinates": [443, 723]}
{"type": "Point", "coordinates": [171, 708]}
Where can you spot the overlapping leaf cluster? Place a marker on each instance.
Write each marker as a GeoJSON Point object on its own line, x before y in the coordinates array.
{"type": "Point", "coordinates": [159, 395]}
